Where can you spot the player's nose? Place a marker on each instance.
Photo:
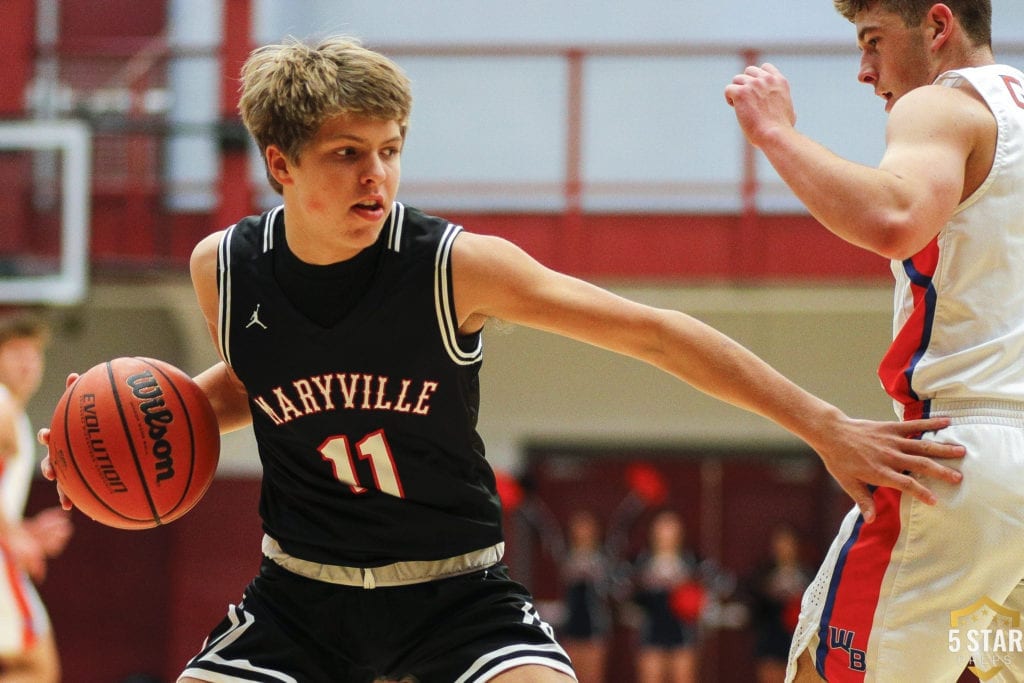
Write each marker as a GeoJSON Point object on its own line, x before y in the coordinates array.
{"type": "Point", "coordinates": [867, 74]}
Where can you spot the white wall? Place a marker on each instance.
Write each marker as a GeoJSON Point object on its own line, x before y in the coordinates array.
{"type": "Point", "coordinates": [575, 21]}
{"type": "Point", "coordinates": [501, 119]}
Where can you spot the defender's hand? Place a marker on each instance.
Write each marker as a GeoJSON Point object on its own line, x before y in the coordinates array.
{"type": "Point", "coordinates": [864, 453]}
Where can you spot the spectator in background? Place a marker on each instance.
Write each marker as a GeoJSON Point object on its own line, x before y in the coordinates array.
{"type": "Point", "coordinates": [669, 596]}
{"type": "Point", "coordinates": [587, 576]}
{"type": "Point", "coordinates": [591, 555]}
{"type": "Point", "coordinates": [775, 591]}
{"type": "Point", "coordinates": [28, 651]}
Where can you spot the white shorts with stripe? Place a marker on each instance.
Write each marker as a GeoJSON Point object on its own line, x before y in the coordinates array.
{"type": "Point", "coordinates": [894, 600]}
{"type": "Point", "coordinates": [23, 618]}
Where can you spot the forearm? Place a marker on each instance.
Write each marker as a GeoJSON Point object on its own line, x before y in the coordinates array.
{"type": "Point", "coordinates": [724, 369]}
{"type": "Point", "coordinates": [865, 206]}
{"type": "Point", "coordinates": [227, 396]}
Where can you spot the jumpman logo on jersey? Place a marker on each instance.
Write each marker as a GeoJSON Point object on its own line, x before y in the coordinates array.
{"type": "Point", "coordinates": [254, 319]}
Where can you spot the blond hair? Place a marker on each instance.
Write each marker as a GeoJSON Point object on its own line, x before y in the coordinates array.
{"type": "Point", "coordinates": [290, 89]}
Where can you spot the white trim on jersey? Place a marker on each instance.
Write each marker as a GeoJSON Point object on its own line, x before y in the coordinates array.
{"type": "Point", "coordinates": [395, 227]}
{"type": "Point", "coordinates": [224, 294]}
{"type": "Point", "coordinates": [442, 303]}
{"type": "Point", "coordinates": [224, 278]}
{"type": "Point", "coordinates": [268, 228]}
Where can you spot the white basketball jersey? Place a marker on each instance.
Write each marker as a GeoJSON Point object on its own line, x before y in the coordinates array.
{"type": "Point", "coordinates": [16, 471]}
{"type": "Point", "coordinates": [959, 303]}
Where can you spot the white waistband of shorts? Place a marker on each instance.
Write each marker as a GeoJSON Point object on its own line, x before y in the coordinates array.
{"type": "Point", "coordinates": [388, 575]}
{"type": "Point", "coordinates": [1008, 413]}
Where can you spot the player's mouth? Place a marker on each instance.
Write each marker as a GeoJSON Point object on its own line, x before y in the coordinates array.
{"type": "Point", "coordinates": [888, 97]}
{"type": "Point", "coordinates": [372, 209]}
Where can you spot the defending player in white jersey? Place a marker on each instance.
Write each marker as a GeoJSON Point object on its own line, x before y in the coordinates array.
{"type": "Point", "coordinates": [945, 205]}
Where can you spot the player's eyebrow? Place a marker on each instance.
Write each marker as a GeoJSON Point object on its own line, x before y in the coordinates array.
{"type": "Point", "coordinates": [863, 32]}
{"type": "Point", "coordinates": [357, 138]}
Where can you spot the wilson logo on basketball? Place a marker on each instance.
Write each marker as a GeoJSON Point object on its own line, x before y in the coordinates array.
{"type": "Point", "coordinates": [157, 417]}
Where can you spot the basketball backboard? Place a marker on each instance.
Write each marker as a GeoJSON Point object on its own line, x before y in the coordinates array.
{"type": "Point", "coordinates": [44, 211]}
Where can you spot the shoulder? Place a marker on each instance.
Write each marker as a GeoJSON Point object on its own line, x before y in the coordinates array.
{"type": "Point", "coordinates": [968, 92]}
{"type": "Point", "coordinates": [491, 277]}
{"type": "Point", "coordinates": [937, 114]}
{"type": "Point", "coordinates": [937, 101]}
{"type": "Point", "coordinates": [489, 258]}
{"type": "Point", "coordinates": [476, 245]}
{"type": "Point", "coordinates": [204, 254]}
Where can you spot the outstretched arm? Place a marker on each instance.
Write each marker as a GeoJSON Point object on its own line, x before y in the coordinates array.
{"type": "Point", "coordinates": [493, 278]}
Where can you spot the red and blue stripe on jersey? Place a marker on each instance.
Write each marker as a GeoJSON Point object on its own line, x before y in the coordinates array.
{"type": "Point", "coordinates": [852, 598]}
{"type": "Point", "coordinates": [910, 344]}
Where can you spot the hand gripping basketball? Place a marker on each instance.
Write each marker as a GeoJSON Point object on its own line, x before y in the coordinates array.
{"type": "Point", "coordinates": [134, 443]}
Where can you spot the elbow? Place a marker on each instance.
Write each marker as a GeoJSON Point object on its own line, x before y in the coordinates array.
{"type": "Point", "coordinates": [901, 249]}
{"type": "Point", "coordinates": [895, 250]}
{"type": "Point", "coordinates": [899, 238]}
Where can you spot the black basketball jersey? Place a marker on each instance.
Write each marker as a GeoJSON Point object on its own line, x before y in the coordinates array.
{"type": "Point", "coordinates": [366, 428]}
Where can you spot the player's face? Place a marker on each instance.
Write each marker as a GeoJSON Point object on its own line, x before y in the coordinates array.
{"type": "Point", "coordinates": [341, 190]}
{"type": "Point", "coordinates": [894, 58]}
{"type": "Point", "coordinates": [21, 367]}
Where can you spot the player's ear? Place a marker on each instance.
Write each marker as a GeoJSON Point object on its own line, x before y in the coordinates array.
{"type": "Point", "coordinates": [939, 23]}
{"type": "Point", "coordinates": [278, 165]}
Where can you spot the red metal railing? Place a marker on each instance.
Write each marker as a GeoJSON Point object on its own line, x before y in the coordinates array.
{"type": "Point", "coordinates": [130, 223]}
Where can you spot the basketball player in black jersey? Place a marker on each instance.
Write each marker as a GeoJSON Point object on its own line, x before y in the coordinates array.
{"type": "Point", "coordinates": [350, 331]}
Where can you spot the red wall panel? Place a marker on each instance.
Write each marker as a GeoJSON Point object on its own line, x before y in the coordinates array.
{"type": "Point", "coordinates": [141, 602]}
{"type": "Point", "coordinates": [17, 45]}
{"type": "Point", "coordinates": [114, 25]}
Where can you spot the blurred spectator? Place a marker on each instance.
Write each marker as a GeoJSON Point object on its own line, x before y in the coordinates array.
{"type": "Point", "coordinates": [775, 592]}
{"type": "Point", "coordinates": [587, 575]}
{"type": "Point", "coordinates": [670, 599]}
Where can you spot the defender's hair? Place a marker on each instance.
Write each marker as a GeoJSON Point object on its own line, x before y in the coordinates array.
{"type": "Point", "coordinates": [974, 15]}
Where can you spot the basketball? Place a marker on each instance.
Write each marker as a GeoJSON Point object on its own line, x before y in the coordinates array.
{"type": "Point", "coordinates": [134, 443]}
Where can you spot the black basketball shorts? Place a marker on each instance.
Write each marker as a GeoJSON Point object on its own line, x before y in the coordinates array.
{"type": "Point", "coordinates": [464, 629]}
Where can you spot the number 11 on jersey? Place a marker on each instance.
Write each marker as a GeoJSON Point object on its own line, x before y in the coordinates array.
{"type": "Point", "coordinates": [374, 448]}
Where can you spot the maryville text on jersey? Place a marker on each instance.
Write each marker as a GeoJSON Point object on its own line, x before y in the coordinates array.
{"type": "Point", "coordinates": [356, 391]}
